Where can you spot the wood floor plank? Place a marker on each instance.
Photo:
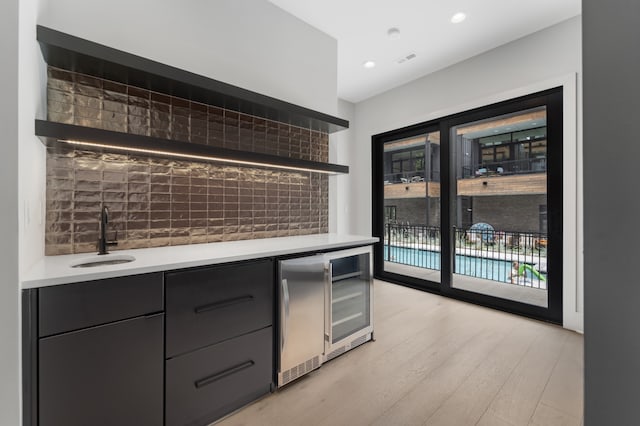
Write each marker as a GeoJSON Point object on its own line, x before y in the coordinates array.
{"type": "Point", "coordinates": [517, 399]}
{"type": "Point", "coordinates": [469, 402]}
{"type": "Point", "coordinates": [420, 402]}
{"type": "Point", "coordinates": [549, 416]}
{"type": "Point", "coordinates": [564, 391]}
{"type": "Point", "coordinates": [492, 419]}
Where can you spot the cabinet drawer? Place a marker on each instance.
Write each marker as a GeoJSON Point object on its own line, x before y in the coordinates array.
{"type": "Point", "coordinates": [103, 376]}
{"type": "Point", "coordinates": [206, 306]}
{"type": "Point", "coordinates": [206, 384]}
{"type": "Point", "coordinates": [80, 305]}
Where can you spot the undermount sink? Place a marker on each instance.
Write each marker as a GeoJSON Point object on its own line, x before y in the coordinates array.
{"type": "Point", "coordinates": [102, 260]}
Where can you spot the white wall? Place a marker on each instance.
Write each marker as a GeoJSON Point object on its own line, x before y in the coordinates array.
{"type": "Point", "coordinates": [550, 56]}
{"type": "Point", "coordinates": [249, 43]}
{"type": "Point", "coordinates": [31, 105]}
{"type": "Point", "coordinates": [340, 151]}
{"type": "Point", "coordinates": [9, 297]}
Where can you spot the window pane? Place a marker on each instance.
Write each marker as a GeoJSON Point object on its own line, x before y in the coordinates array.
{"type": "Point", "coordinates": [499, 219]}
{"type": "Point", "coordinates": [412, 207]}
{"type": "Point", "coordinates": [502, 153]}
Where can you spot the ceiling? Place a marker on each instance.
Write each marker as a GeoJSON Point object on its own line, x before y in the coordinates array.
{"type": "Point", "coordinates": [360, 27]}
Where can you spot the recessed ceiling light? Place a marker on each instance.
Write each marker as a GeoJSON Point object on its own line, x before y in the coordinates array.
{"type": "Point", "coordinates": [393, 33]}
{"type": "Point", "coordinates": [458, 17]}
{"type": "Point", "coordinates": [369, 64]}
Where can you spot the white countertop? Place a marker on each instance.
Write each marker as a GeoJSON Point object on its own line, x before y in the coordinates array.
{"type": "Point", "coordinates": [53, 270]}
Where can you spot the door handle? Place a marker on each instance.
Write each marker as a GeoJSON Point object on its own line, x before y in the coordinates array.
{"type": "Point", "coordinates": [222, 304]}
{"type": "Point", "coordinates": [328, 311]}
{"type": "Point", "coordinates": [221, 375]}
{"type": "Point", "coordinates": [285, 312]}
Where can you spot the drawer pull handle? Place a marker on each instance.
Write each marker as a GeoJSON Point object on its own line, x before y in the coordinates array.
{"type": "Point", "coordinates": [221, 375]}
{"type": "Point", "coordinates": [222, 304]}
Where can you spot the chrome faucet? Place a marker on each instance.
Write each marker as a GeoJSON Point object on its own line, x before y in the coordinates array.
{"type": "Point", "coordinates": [103, 243]}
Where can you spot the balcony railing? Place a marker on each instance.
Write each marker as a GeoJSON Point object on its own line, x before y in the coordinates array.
{"type": "Point", "coordinates": [411, 176]}
{"type": "Point", "coordinates": [485, 254]}
{"type": "Point", "coordinates": [528, 165]}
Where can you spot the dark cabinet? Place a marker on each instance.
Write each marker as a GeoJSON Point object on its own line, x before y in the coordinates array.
{"type": "Point", "coordinates": [208, 383]}
{"type": "Point", "coordinates": [209, 305]}
{"type": "Point", "coordinates": [106, 375]}
{"type": "Point", "coordinates": [168, 348]}
{"type": "Point", "coordinates": [219, 340]}
{"type": "Point", "coordinates": [99, 353]}
{"type": "Point", "coordinates": [80, 305]}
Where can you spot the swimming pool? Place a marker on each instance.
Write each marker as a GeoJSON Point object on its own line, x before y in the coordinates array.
{"type": "Point", "coordinates": [478, 267]}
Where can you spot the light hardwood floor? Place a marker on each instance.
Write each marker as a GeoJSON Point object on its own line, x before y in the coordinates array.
{"type": "Point", "coordinates": [438, 361]}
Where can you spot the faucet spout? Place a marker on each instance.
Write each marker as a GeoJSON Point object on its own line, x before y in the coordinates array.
{"type": "Point", "coordinates": [103, 243]}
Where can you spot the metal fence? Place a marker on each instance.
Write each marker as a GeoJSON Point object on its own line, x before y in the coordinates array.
{"type": "Point", "coordinates": [413, 245]}
{"type": "Point", "coordinates": [412, 176]}
{"type": "Point", "coordinates": [527, 165]}
{"type": "Point", "coordinates": [505, 256]}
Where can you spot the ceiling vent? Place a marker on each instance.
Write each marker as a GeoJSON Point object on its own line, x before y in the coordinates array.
{"type": "Point", "coordinates": [406, 58]}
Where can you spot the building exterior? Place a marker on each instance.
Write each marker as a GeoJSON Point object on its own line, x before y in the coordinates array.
{"type": "Point", "coordinates": [500, 171]}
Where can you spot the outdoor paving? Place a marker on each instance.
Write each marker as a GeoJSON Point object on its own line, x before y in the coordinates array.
{"type": "Point", "coordinates": [518, 293]}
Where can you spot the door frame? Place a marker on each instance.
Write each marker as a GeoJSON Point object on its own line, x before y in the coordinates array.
{"type": "Point", "coordinates": [553, 99]}
{"type": "Point", "coordinates": [377, 168]}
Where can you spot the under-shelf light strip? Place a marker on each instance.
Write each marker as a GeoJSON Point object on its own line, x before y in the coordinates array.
{"type": "Point", "coordinates": [190, 156]}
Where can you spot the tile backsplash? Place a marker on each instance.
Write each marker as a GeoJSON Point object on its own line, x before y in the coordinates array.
{"type": "Point", "coordinates": [74, 98]}
{"type": "Point", "coordinates": [158, 202]}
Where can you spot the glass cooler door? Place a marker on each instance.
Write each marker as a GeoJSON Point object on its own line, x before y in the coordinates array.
{"type": "Point", "coordinates": [350, 295]}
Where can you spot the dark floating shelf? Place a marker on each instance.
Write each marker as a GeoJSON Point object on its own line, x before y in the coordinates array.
{"type": "Point", "coordinates": [75, 54]}
{"type": "Point", "coordinates": [60, 134]}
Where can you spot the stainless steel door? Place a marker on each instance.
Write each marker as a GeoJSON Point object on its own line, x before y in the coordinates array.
{"type": "Point", "coordinates": [302, 284]}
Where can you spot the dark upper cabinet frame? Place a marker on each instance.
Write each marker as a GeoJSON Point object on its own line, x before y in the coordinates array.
{"type": "Point", "coordinates": [78, 55]}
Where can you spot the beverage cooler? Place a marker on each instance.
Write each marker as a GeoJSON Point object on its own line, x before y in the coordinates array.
{"type": "Point", "coordinates": [349, 307]}
{"type": "Point", "coordinates": [326, 309]}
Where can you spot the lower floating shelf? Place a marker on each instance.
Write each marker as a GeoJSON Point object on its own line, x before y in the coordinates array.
{"type": "Point", "coordinates": [56, 134]}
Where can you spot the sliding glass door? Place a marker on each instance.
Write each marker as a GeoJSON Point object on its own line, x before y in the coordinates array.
{"type": "Point", "coordinates": [410, 166]}
{"type": "Point", "coordinates": [470, 205]}
{"type": "Point", "coordinates": [499, 185]}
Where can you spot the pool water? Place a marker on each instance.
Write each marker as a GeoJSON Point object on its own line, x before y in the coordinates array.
{"type": "Point", "coordinates": [479, 267]}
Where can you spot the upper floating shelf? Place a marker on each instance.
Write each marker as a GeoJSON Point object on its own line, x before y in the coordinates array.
{"type": "Point", "coordinates": [75, 54]}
